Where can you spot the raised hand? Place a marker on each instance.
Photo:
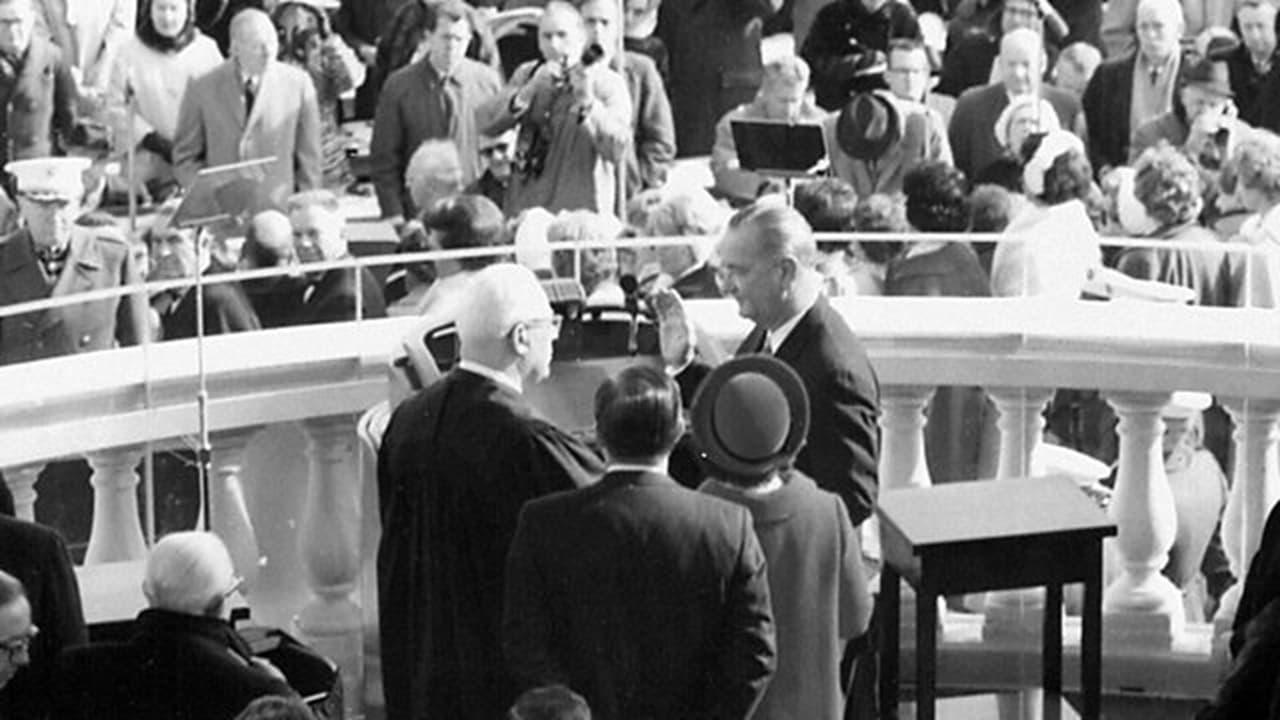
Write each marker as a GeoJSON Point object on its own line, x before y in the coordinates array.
{"type": "Point", "coordinates": [676, 333]}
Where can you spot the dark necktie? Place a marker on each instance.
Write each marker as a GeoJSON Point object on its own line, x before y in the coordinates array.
{"type": "Point", "coordinates": [250, 94]}
{"type": "Point", "coordinates": [53, 261]}
{"type": "Point", "coordinates": [446, 105]}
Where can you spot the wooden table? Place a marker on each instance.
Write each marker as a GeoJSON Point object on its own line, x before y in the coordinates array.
{"type": "Point", "coordinates": [992, 535]}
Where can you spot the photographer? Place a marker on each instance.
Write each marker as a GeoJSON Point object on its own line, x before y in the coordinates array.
{"type": "Point", "coordinates": [575, 121]}
{"type": "Point", "coordinates": [1203, 121]}
{"type": "Point", "coordinates": [307, 42]}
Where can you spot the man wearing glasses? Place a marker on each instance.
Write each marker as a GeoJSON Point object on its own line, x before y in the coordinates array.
{"type": "Point", "coordinates": [38, 589]}
{"type": "Point", "coordinates": [16, 629]}
{"type": "Point", "coordinates": [457, 462]}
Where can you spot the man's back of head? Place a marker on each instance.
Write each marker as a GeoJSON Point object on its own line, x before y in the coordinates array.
{"type": "Point", "coordinates": [638, 415]}
{"type": "Point", "coordinates": [189, 573]}
{"type": "Point", "coordinates": [507, 324]}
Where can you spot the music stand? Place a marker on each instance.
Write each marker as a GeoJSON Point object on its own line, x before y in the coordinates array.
{"type": "Point", "coordinates": [780, 149]}
{"type": "Point", "coordinates": [223, 192]}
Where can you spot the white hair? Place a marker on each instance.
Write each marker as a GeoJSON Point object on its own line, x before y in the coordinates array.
{"type": "Point", "coordinates": [188, 572]}
{"type": "Point", "coordinates": [500, 296]}
{"type": "Point", "coordinates": [433, 172]}
{"type": "Point", "coordinates": [1170, 9]}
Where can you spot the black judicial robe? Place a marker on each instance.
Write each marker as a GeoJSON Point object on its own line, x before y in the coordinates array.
{"type": "Point", "coordinates": [457, 462]}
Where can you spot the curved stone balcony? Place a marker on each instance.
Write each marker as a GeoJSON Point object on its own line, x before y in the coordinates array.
{"type": "Point", "coordinates": [291, 486]}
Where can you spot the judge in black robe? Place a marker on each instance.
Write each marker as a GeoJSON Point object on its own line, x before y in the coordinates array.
{"type": "Point", "coordinates": [456, 464]}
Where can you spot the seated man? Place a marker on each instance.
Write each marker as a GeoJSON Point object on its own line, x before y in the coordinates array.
{"type": "Point", "coordinates": [496, 154]}
{"type": "Point", "coordinates": [783, 96]}
{"type": "Point", "coordinates": [876, 138]}
{"type": "Point", "coordinates": [16, 629]}
{"type": "Point", "coordinates": [750, 417]}
{"type": "Point", "coordinates": [269, 244]}
{"type": "Point", "coordinates": [51, 620]}
{"type": "Point", "coordinates": [687, 268]}
{"type": "Point", "coordinates": [174, 256]}
{"type": "Point", "coordinates": [1205, 127]}
{"type": "Point", "coordinates": [185, 659]}
{"type": "Point", "coordinates": [319, 236]}
{"type": "Point", "coordinates": [650, 599]}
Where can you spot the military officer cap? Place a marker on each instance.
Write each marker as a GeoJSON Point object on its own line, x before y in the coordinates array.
{"type": "Point", "coordinates": [49, 179]}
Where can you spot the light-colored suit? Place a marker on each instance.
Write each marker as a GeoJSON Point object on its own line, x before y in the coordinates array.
{"type": "Point", "coordinates": [213, 128]}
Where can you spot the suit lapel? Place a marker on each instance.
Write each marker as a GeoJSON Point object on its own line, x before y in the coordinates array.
{"type": "Point", "coordinates": [794, 346]}
{"type": "Point", "coordinates": [265, 86]}
{"type": "Point", "coordinates": [23, 280]}
{"type": "Point", "coordinates": [231, 94]}
{"type": "Point", "coordinates": [83, 265]}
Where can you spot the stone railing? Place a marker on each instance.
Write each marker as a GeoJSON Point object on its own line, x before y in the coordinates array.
{"type": "Point", "coordinates": [291, 493]}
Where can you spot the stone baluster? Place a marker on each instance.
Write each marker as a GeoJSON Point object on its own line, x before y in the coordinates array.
{"type": "Point", "coordinates": [329, 544]}
{"type": "Point", "coordinates": [116, 533]}
{"type": "Point", "coordinates": [902, 459]}
{"type": "Point", "coordinates": [230, 513]}
{"type": "Point", "coordinates": [1255, 487]}
{"type": "Point", "coordinates": [1021, 424]}
{"type": "Point", "coordinates": [1143, 607]}
{"type": "Point", "coordinates": [1015, 616]}
{"type": "Point", "coordinates": [22, 485]}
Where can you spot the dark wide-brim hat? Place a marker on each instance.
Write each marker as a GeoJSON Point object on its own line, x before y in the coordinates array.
{"type": "Point", "coordinates": [1209, 75]}
{"type": "Point", "coordinates": [750, 415]}
{"type": "Point", "coordinates": [868, 126]}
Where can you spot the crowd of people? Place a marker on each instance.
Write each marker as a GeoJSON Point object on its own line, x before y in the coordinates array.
{"type": "Point", "coordinates": [705, 555]}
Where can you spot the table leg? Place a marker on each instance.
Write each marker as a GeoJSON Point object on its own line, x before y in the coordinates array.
{"type": "Point", "coordinates": [889, 641]}
{"type": "Point", "coordinates": [1091, 637]}
{"type": "Point", "coordinates": [926, 650]}
{"type": "Point", "coordinates": [1051, 661]}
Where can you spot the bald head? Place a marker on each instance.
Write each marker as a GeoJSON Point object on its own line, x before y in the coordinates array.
{"type": "Point", "coordinates": [189, 572]}
{"type": "Point", "coordinates": [269, 241]}
{"type": "Point", "coordinates": [1159, 25]}
{"type": "Point", "coordinates": [253, 41]}
{"type": "Point", "coordinates": [1022, 60]}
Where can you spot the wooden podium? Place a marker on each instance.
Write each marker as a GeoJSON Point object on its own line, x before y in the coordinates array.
{"type": "Point", "coordinates": [992, 535]}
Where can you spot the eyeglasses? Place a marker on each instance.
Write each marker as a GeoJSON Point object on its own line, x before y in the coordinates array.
{"type": "Point", "coordinates": [20, 645]}
{"type": "Point", "coordinates": [237, 584]}
{"type": "Point", "coordinates": [493, 150]}
{"type": "Point", "coordinates": [554, 322]}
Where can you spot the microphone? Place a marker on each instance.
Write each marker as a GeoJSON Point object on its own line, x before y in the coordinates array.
{"type": "Point", "coordinates": [631, 301]}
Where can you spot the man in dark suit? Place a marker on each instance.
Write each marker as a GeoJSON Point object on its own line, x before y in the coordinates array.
{"type": "Point", "coordinates": [317, 237]}
{"type": "Point", "coordinates": [174, 256]}
{"type": "Point", "coordinates": [54, 257]}
{"type": "Point", "coordinates": [434, 98]}
{"type": "Point", "coordinates": [36, 87]}
{"type": "Point", "coordinates": [1251, 62]}
{"type": "Point", "coordinates": [457, 462]}
{"type": "Point", "coordinates": [1128, 92]}
{"type": "Point", "coordinates": [36, 556]}
{"type": "Point", "coordinates": [972, 130]}
{"type": "Point", "coordinates": [715, 60]}
{"type": "Point", "coordinates": [767, 263]}
{"type": "Point", "coordinates": [648, 598]}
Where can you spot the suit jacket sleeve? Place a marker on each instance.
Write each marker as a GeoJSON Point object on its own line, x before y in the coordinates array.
{"type": "Point", "coordinates": [494, 116]}
{"type": "Point", "coordinates": [133, 313]}
{"type": "Point", "coordinates": [526, 620]}
{"type": "Point", "coordinates": [748, 651]}
{"type": "Point", "coordinates": [855, 594]}
{"type": "Point", "coordinates": [656, 130]}
{"type": "Point", "coordinates": [958, 133]}
{"type": "Point", "coordinates": [844, 442]}
{"type": "Point", "coordinates": [59, 616]}
{"type": "Point", "coordinates": [387, 151]}
{"type": "Point", "coordinates": [189, 145]}
{"type": "Point", "coordinates": [307, 151]}
{"type": "Point", "coordinates": [64, 104]}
